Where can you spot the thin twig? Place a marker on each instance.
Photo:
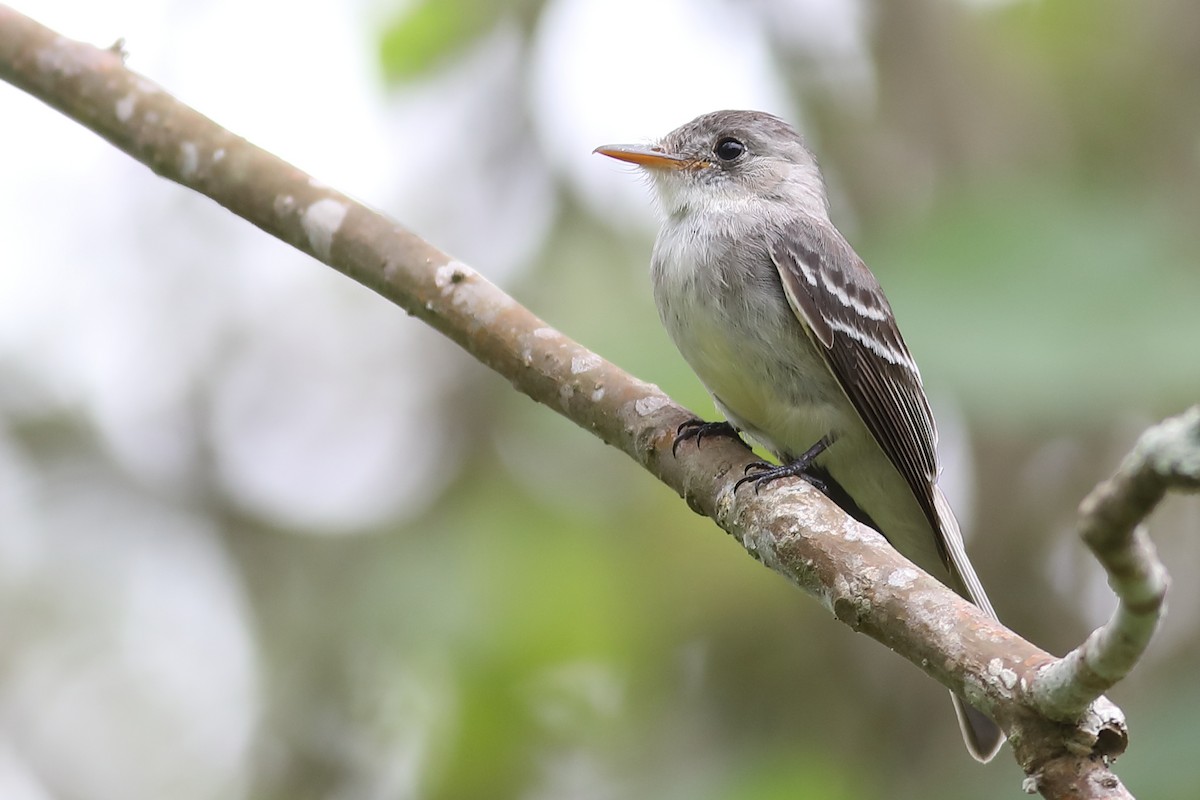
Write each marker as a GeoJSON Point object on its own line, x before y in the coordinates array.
{"type": "Point", "coordinates": [1166, 456]}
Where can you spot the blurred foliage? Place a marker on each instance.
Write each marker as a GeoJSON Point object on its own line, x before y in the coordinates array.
{"type": "Point", "coordinates": [425, 34]}
{"type": "Point", "coordinates": [1041, 285]}
{"type": "Point", "coordinates": [428, 32]}
{"type": "Point", "coordinates": [546, 621]}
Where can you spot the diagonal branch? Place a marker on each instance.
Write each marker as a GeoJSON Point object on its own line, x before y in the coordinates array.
{"type": "Point", "coordinates": [793, 529]}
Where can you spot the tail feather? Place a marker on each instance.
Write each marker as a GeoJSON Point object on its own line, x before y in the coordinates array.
{"type": "Point", "coordinates": [982, 736]}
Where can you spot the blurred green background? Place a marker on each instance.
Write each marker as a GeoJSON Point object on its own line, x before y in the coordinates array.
{"type": "Point", "coordinates": [263, 536]}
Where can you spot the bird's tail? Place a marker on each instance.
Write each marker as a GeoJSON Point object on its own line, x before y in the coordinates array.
{"type": "Point", "coordinates": [982, 736]}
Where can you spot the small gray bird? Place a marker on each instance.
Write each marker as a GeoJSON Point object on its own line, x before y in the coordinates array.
{"type": "Point", "coordinates": [793, 338]}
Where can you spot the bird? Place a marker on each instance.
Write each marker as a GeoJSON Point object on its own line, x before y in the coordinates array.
{"type": "Point", "coordinates": [792, 336]}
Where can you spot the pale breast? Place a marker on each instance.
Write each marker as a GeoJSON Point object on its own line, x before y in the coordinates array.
{"type": "Point", "coordinates": [721, 301]}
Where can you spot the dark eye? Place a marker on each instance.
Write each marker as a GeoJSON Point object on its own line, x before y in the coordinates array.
{"type": "Point", "coordinates": [728, 148]}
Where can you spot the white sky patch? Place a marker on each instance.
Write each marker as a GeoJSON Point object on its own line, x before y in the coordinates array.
{"type": "Point", "coordinates": [614, 71]}
{"type": "Point", "coordinates": [832, 28]}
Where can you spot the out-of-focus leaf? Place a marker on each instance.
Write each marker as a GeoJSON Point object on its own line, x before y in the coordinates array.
{"type": "Point", "coordinates": [1036, 304]}
{"type": "Point", "coordinates": [797, 776]}
{"type": "Point", "coordinates": [1168, 769]}
{"type": "Point", "coordinates": [427, 32]}
{"type": "Point", "coordinates": [1099, 90]}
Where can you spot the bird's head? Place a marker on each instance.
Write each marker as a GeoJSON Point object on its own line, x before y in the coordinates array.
{"type": "Point", "coordinates": [727, 160]}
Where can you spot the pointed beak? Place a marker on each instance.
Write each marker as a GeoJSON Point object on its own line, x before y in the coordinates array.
{"type": "Point", "coordinates": [648, 157]}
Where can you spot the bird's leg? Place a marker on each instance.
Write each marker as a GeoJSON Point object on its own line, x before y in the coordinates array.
{"type": "Point", "coordinates": [764, 473]}
{"type": "Point", "coordinates": [697, 429]}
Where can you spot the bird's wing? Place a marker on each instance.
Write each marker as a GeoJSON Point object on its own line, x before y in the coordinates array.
{"type": "Point", "coordinates": [843, 308]}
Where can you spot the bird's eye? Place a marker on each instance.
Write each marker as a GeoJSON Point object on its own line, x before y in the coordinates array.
{"type": "Point", "coordinates": [728, 148]}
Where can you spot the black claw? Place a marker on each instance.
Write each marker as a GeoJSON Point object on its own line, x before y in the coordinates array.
{"type": "Point", "coordinates": [697, 429]}
{"type": "Point", "coordinates": [756, 472]}
{"type": "Point", "coordinates": [764, 473]}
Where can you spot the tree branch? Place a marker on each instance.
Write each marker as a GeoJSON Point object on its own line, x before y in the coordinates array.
{"type": "Point", "coordinates": [1063, 744]}
{"type": "Point", "coordinates": [1166, 456]}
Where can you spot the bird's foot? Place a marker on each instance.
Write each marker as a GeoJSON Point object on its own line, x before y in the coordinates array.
{"type": "Point", "coordinates": [697, 429]}
{"type": "Point", "coordinates": [760, 473]}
